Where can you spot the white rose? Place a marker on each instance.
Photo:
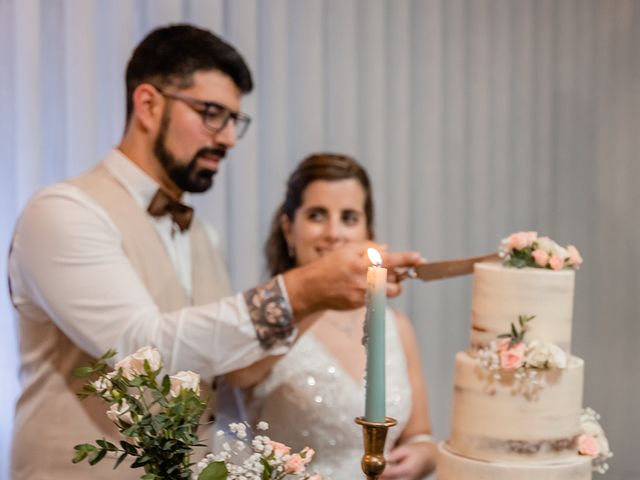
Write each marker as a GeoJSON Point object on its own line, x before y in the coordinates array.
{"type": "Point", "coordinates": [591, 427]}
{"type": "Point", "coordinates": [134, 364]}
{"type": "Point", "coordinates": [546, 244]}
{"type": "Point", "coordinates": [185, 379]}
{"type": "Point", "coordinates": [551, 247]}
{"type": "Point", "coordinates": [557, 356]}
{"type": "Point", "coordinates": [104, 386]}
{"type": "Point", "coordinates": [119, 412]}
{"type": "Point", "coordinates": [603, 445]}
{"type": "Point", "coordinates": [537, 354]}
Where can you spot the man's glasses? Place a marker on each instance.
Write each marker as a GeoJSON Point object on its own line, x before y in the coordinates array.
{"type": "Point", "coordinates": [215, 117]}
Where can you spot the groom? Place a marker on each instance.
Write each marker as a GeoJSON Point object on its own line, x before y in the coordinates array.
{"type": "Point", "coordinates": [116, 259]}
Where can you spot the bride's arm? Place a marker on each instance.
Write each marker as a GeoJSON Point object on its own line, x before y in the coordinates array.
{"type": "Point", "coordinates": [413, 457]}
{"type": "Point", "coordinates": [252, 375]}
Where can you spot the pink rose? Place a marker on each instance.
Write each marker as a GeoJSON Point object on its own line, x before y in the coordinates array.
{"type": "Point", "coordinates": [512, 358]}
{"type": "Point", "coordinates": [307, 454]}
{"type": "Point", "coordinates": [556, 262]}
{"type": "Point", "coordinates": [540, 257]}
{"type": "Point", "coordinates": [295, 464]}
{"type": "Point", "coordinates": [588, 445]}
{"type": "Point", "coordinates": [575, 258]}
{"type": "Point", "coordinates": [503, 344]}
{"type": "Point", "coordinates": [518, 241]}
{"type": "Point", "coordinates": [280, 448]}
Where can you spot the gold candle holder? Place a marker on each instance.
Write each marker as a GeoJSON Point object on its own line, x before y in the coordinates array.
{"type": "Point", "coordinates": [374, 436]}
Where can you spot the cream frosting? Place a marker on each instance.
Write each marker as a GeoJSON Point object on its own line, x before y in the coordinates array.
{"type": "Point", "coordinates": [501, 294]}
{"type": "Point", "coordinates": [492, 420]}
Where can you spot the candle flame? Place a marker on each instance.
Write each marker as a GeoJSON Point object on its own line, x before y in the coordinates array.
{"type": "Point", "coordinates": [374, 257]}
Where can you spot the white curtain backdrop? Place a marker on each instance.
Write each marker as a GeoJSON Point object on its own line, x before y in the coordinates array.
{"type": "Point", "coordinates": [475, 118]}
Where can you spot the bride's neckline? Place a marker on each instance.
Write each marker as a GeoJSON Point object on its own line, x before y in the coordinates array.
{"type": "Point", "coordinates": [340, 336]}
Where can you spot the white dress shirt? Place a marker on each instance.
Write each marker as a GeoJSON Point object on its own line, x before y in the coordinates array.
{"type": "Point", "coordinates": [67, 264]}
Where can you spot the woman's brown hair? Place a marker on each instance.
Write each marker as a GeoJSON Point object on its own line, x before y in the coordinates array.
{"type": "Point", "coordinates": [319, 166]}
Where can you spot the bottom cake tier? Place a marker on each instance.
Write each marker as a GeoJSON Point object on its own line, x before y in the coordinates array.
{"type": "Point", "coordinates": [455, 467]}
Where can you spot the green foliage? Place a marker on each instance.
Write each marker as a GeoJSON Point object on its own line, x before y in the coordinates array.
{"type": "Point", "coordinates": [214, 471]}
{"type": "Point", "coordinates": [521, 258]}
{"type": "Point", "coordinates": [517, 335]}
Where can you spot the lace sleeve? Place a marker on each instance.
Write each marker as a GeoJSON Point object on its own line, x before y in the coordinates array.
{"type": "Point", "coordinates": [271, 314]}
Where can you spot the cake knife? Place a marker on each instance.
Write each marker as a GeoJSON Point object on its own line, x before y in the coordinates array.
{"type": "Point", "coordinates": [445, 269]}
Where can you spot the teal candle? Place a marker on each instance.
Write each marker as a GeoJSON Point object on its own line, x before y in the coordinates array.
{"type": "Point", "coordinates": [376, 303]}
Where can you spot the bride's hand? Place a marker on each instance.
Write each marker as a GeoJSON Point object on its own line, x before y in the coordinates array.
{"type": "Point", "coordinates": [409, 462]}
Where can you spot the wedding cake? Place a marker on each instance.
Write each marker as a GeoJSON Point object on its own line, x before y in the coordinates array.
{"type": "Point", "coordinates": [517, 403]}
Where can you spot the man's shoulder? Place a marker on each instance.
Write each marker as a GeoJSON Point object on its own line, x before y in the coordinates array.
{"type": "Point", "coordinates": [63, 191]}
{"type": "Point", "coordinates": [62, 199]}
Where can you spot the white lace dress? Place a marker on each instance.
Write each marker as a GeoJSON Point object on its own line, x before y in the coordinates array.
{"type": "Point", "coordinates": [309, 400]}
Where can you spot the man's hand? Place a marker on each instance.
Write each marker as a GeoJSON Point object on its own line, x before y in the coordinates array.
{"type": "Point", "coordinates": [338, 280]}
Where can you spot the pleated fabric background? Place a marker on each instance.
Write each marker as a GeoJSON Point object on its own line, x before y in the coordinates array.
{"type": "Point", "coordinates": [475, 118]}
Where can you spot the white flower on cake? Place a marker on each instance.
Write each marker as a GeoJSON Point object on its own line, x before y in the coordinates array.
{"type": "Point", "coordinates": [545, 355]}
{"type": "Point", "coordinates": [511, 354]}
{"type": "Point", "coordinates": [593, 442]}
{"type": "Point", "coordinates": [526, 249]}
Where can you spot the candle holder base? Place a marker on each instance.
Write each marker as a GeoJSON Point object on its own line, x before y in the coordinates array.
{"type": "Point", "coordinates": [374, 436]}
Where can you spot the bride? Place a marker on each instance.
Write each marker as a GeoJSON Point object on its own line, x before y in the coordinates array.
{"type": "Point", "coordinates": [312, 395]}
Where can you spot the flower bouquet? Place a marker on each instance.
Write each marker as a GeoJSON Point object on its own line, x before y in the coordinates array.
{"type": "Point", "coordinates": [510, 353]}
{"type": "Point", "coordinates": [159, 418]}
{"type": "Point", "coordinates": [526, 249]}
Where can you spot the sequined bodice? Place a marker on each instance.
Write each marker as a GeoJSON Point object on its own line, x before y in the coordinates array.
{"type": "Point", "coordinates": [309, 400]}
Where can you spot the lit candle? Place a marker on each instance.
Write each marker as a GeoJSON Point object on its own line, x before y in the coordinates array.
{"type": "Point", "coordinates": [374, 338]}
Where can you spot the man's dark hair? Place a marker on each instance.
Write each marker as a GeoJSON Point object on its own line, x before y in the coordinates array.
{"type": "Point", "coordinates": [171, 55]}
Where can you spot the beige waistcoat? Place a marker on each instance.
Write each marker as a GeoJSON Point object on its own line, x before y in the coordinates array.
{"type": "Point", "coordinates": [50, 419]}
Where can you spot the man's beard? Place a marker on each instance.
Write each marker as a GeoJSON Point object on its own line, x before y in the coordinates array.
{"type": "Point", "coordinates": [186, 176]}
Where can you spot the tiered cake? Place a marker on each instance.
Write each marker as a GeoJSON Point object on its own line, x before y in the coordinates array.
{"type": "Point", "coordinates": [517, 402]}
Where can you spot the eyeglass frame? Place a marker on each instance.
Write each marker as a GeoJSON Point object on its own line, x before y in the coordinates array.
{"type": "Point", "coordinates": [206, 105]}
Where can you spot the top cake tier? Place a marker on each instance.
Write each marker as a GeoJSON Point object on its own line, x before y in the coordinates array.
{"type": "Point", "coordinates": [501, 294]}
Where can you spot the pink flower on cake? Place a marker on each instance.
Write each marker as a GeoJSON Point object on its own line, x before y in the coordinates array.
{"type": "Point", "coordinates": [540, 257]}
{"type": "Point", "coordinates": [575, 259]}
{"type": "Point", "coordinates": [556, 262]}
{"type": "Point", "coordinates": [503, 344]}
{"type": "Point", "coordinates": [295, 464]}
{"type": "Point", "coordinates": [520, 240]}
{"type": "Point", "coordinates": [512, 358]}
{"type": "Point", "coordinates": [588, 445]}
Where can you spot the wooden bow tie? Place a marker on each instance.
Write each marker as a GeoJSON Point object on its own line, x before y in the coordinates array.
{"type": "Point", "coordinates": [164, 204]}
